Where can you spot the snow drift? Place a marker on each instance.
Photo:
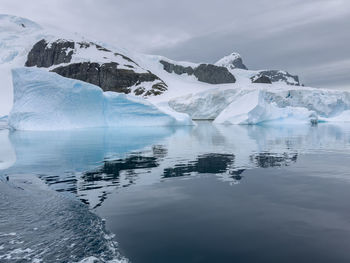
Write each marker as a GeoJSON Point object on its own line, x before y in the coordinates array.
{"type": "Point", "coordinates": [259, 105]}
{"type": "Point", "coordinates": [47, 101]}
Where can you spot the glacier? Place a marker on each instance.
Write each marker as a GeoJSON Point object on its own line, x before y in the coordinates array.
{"type": "Point", "coordinates": [47, 101]}
{"type": "Point", "coordinates": [256, 105]}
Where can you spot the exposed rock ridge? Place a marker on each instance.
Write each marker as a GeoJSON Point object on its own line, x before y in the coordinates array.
{"type": "Point", "coordinates": [204, 72]}
{"type": "Point", "coordinates": [259, 78]}
{"type": "Point", "coordinates": [234, 61]}
{"type": "Point", "coordinates": [110, 75]}
{"type": "Point", "coordinates": [44, 55]}
{"type": "Point", "coordinates": [281, 76]}
{"type": "Point", "coordinates": [110, 78]}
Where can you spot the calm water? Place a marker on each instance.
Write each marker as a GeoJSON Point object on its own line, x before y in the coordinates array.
{"type": "Point", "coordinates": [193, 194]}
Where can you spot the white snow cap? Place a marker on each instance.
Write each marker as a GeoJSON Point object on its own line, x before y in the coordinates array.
{"type": "Point", "coordinates": [234, 60]}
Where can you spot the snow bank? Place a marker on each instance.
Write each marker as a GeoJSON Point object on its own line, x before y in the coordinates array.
{"type": "Point", "coordinates": [259, 105]}
{"type": "Point", "coordinates": [47, 101]}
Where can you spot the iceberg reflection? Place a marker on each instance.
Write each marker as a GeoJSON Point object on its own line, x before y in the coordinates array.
{"type": "Point", "coordinates": [93, 163]}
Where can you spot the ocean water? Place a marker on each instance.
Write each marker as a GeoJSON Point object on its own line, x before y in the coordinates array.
{"type": "Point", "coordinates": [209, 193]}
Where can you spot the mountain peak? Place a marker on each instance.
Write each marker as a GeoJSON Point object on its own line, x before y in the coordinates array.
{"type": "Point", "coordinates": [232, 61]}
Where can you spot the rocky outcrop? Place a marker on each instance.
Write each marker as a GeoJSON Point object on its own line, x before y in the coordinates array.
{"type": "Point", "coordinates": [232, 61]}
{"type": "Point", "coordinates": [280, 76]}
{"type": "Point", "coordinates": [46, 55]}
{"type": "Point", "coordinates": [207, 73]}
{"type": "Point", "coordinates": [261, 79]}
{"type": "Point", "coordinates": [213, 74]}
{"type": "Point", "coordinates": [110, 78]}
{"type": "Point", "coordinates": [121, 75]}
{"type": "Point", "coordinates": [177, 69]}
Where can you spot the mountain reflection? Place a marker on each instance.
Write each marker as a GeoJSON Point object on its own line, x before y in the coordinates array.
{"type": "Point", "coordinates": [139, 165]}
{"type": "Point", "coordinates": [266, 160]}
{"type": "Point", "coordinates": [112, 169]}
{"type": "Point", "coordinates": [237, 175]}
{"type": "Point", "coordinates": [212, 163]}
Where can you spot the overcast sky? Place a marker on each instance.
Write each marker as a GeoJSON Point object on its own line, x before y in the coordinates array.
{"type": "Point", "coordinates": [308, 37]}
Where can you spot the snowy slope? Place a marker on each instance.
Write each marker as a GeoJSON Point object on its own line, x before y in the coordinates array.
{"type": "Point", "coordinates": [17, 36]}
{"type": "Point", "coordinates": [177, 84]}
{"type": "Point", "coordinates": [185, 84]}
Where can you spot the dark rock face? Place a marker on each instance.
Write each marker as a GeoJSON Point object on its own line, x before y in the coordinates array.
{"type": "Point", "coordinates": [261, 79]}
{"type": "Point", "coordinates": [238, 63]}
{"type": "Point", "coordinates": [157, 89]}
{"type": "Point", "coordinates": [213, 74]}
{"type": "Point", "coordinates": [110, 78]}
{"type": "Point", "coordinates": [207, 73]}
{"type": "Point", "coordinates": [280, 76]}
{"type": "Point", "coordinates": [177, 69]}
{"type": "Point", "coordinates": [44, 55]}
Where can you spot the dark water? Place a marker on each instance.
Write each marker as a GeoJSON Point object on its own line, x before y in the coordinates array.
{"type": "Point", "coordinates": [194, 194]}
{"type": "Point", "coordinates": [40, 225]}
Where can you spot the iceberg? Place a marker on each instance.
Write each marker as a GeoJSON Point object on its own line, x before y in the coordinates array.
{"type": "Point", "coordinates": [252, 105]}
{"type": "Point", "coordinates": [48, 101]}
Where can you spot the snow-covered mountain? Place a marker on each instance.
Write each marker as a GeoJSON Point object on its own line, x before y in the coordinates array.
{"type": "Point", "coordinates": [226, 91]}
{"type": "Point", "coordinates": [232, 61]}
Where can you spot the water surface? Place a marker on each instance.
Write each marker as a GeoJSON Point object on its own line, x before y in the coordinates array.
{"type": "Point", "coordinates": [209, 193]}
